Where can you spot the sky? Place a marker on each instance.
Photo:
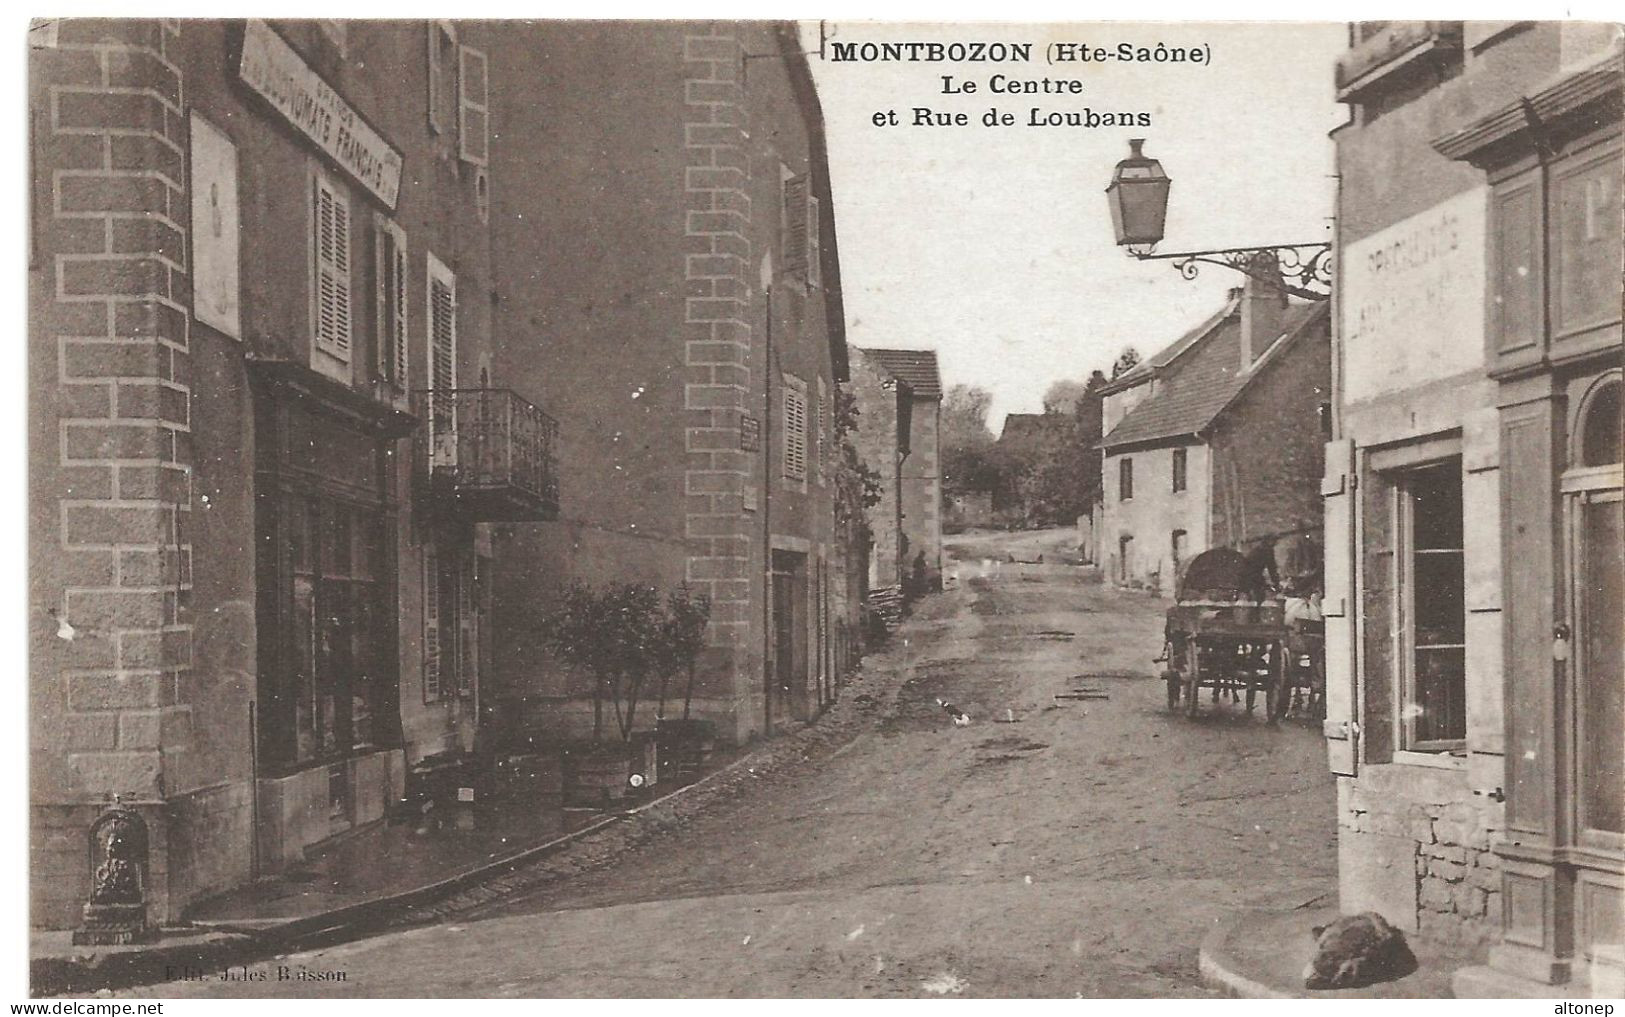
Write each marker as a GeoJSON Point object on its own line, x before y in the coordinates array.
{"type": "Point", "coordinates": [994, 246]}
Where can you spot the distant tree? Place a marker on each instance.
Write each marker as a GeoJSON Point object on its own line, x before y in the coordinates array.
{"type": "Point", "coordinates": [964, 417]}
{"type": "Point", "coordinates": [1125, 362]}
{"type": "Point", "coordinates": [1062, 396]}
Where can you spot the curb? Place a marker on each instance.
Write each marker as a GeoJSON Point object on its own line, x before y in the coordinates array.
{"type": "Point", "coordinates": [52, 976]}
{"type": "Point", "coordinates": [1218, 970]}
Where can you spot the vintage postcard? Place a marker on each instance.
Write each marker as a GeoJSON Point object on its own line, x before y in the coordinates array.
{"type": "Point", "coordinates": [695, 508]}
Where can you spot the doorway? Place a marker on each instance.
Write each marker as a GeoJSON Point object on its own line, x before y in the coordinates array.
{"type": "Point", "coordinates": [788, 692]}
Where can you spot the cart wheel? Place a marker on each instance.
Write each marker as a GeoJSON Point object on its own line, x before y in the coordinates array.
{"type": "Point", "coordinates": [1173, 681]}
{"type": "Point", "coordinates": [1193, 678]}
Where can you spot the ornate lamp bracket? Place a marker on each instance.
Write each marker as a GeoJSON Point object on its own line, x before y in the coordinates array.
{"type": "Point", "coordinates": [1302, 270]}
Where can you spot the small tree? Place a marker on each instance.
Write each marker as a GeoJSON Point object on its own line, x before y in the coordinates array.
{"type": "Point", "coordinates": [682, 638]}
{"type": "Point", "coordinates": [613, 634]}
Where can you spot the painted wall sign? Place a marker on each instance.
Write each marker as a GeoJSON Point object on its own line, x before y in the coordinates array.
{"type": "Point", "coordinates": [750, 434]}
{"type": "Point", "coordinates": [1413, 299]}
{"type": "Point", "coordinates": [273, 69]}
{"type": "Point", "coordinates": [215, 240]}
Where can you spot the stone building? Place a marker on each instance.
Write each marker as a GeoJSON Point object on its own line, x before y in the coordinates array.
{"type": "Point", "coordinates": [249, 367]}
{"type": "Point", "coordinates": [1472, 497]}
{"type": "Point", "coordinates": [1216, 440]}
{"type": "Point", "coordinates": [669, 286]}
{"type": "Point", "coordinates": [899, 395]}
{"type": "Point", "coordinates": [298, 296]}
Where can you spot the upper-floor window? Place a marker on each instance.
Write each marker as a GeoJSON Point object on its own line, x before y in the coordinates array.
{"type": "Point", "coordinates": [795, 429]}
{"type": "Point", "coordinates": [473, 106]}
{"type": "Point", "coordinates": [441, 331]}
{"type": "Point", "coordinates": [331, 324]}
{"type": "Point", "coordinates": [1431, 607]}
{"type": "Point", "coordinates": [1179, 469]}
{"type": "Point", "coordinates": [1125, 479]}
{"type": "Point", "coordinates": [391, 301]}
{"type": "Point", "coordinates": [801, 243]}
{"type": "Point", "coordinates": [820, 461]}
{"type": "Point", "coordinates": [442, 68]}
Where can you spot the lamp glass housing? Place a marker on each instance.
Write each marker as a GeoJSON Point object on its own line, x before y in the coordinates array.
{"type": "Point", "coordinates": [1138, 197]}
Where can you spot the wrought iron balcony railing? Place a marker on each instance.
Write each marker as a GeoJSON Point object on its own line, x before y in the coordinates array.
{"type": "Point", "coordinates": [487, 455]}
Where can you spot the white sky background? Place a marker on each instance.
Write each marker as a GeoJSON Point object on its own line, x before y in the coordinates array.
{"type": "Point", "coordinates": [994, 246]}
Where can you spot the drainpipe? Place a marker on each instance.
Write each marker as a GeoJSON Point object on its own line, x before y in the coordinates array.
{"type": "Point", "coordinates": [768, 670]}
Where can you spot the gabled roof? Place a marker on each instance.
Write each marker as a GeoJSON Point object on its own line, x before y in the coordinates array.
{"type": "Point", "coordinates": [915, 368]}
{"type": "Point", "coordinates": [1145, 369]}
{"type": "Point", "coordinates": [1205, 380]}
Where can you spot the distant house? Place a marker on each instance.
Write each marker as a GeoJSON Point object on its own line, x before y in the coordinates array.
{"type": "Point", "coordinates": [1217, 440]}
{"type": "Point", "coordinates": [899, 396]}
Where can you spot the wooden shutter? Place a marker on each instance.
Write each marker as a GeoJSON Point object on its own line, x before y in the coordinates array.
{"type": "Point", "coordinates": [1337, 493]}
{"type": "Point", "coordinates": [442, 41]}
{"type": "Point", "coordinates": [467, 627]}
{"type": "Point", "coordinates": [473, 106]}
{"type": "Point", "coordinates": [796, 208]}
{"type": "Point", "coordinates": [815, 268]}
{"type": "Point", "coordinates": [431, 625]}
{"type": "Point", "coordinates": [331, 241]}
{"type": "Point", "coordinates": [795, 433]}
{"type": "Point", "coordinates": [442, 362]}
{"type": "Point", "coordinates": [821, 467]}
{"type": "Point", "coordinates": [391, 298]}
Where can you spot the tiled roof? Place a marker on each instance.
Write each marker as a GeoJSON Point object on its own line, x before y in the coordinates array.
{"type": "Point", "coordinates": [1162, 358]}
{"type": "Point", "coordinates": [915, 368]}
{"type": "Point", "coordinates": [1193, 391]}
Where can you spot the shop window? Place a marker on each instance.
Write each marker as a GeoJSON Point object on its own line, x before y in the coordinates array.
{"type": "Point", "coordinates": [1431, 607]}
{"type": "Point", "coordinates": [1179, 469]}
{"type": "Point", "coordinates": [1125, 479]}
{"type": "Point", "coordinates": [454, 604]}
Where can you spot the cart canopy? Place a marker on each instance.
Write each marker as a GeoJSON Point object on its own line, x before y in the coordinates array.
{"type": "Point", "coordinates": [1221, 572]}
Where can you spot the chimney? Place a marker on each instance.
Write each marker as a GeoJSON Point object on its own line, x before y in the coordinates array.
{"type": "Point", "coordinates": [1263, 310]}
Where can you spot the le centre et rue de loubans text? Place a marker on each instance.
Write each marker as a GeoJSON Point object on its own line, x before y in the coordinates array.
{"type": "Point", "coordinates": [1034, 116]}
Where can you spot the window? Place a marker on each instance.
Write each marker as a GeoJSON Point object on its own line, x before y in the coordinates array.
{"type": "Point", "coordinates": [1431, 608]}
{"type": "Point", "coordinates": [795, 429]}
{"type": "Point", "coordinates": [821, 463]}
{"type": "Point", "coordinates": [1179, 469]}
{"type": "Point", "coordinates": [443, 57]}
{"type": "Point", "coordinates": [441, 293]}
{"type": "Point", "coordinates": [391, 270]}
{"type": "Point", "coordinates": [330, 258]}
{"type": "Point", "coordinates": [473, 106]}
{"type": "Point", "coordinates": [454, 605]}
{"type": "Point", "coordinates": [1125, 479]}
{"type": "Point", "coordinates": [1125, 557]}
{"type": "Point", "coordinates": [1176, 549]}
{"type": "Point", "coordinates": [800, 240]}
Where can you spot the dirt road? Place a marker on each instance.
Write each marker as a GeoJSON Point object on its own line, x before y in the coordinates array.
{"type": "Point", "coordinates": [1083, 849]}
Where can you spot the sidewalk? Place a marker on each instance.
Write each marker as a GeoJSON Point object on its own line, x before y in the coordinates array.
{"type": "Point", "coordinates": [346, 886]}
{"type": "Point", "coordinates": [1262, 954]}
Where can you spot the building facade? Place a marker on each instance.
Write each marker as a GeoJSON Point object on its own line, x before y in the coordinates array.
{"type": "Point", "coordinates": [1472, 497]}
{"type": "Point", "coordinates": [684, 313]}
{"type": "Point", "coordinates": [1215, 441]}
{"type": "Point", "coordinates": [296, 300]}
{"type": "Point", "coordinates": [899, 395]}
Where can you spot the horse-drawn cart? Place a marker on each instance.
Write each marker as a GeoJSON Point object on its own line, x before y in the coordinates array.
{"type": "Point", "coordinates": [1225, 633]}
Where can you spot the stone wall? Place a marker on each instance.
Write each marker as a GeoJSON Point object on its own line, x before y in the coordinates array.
{"type": "Point", "coordinates": [1414, 844]}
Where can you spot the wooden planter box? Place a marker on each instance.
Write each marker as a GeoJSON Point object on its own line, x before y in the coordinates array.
{"type": "Point", "coordinates": [685, 745]}
{"type": "Point", "coordinates": [596, 774]}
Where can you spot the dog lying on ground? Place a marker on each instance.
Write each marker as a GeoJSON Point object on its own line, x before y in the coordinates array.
{"type": "Point", "coordinates": [1357, 950]}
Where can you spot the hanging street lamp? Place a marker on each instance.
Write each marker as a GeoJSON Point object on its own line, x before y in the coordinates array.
{"type": "Point", "coordinates": [1138, 198]}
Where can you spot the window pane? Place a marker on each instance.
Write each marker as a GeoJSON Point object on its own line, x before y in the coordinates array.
{"type": "Point", "coordinates": [1438, 709]}
{"type": "Point", "coordinates": [1438, 598]}
{"type": "Point", "coordinates": [1602, 719]}
{"type": "Point", "coordinates": [1436, 507]}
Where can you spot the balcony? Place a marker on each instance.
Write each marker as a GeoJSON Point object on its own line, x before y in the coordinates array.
{"type": "Point", "coordinates": [485, 455]}
{"type": "Point", "coordinates": [1389, 52]}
